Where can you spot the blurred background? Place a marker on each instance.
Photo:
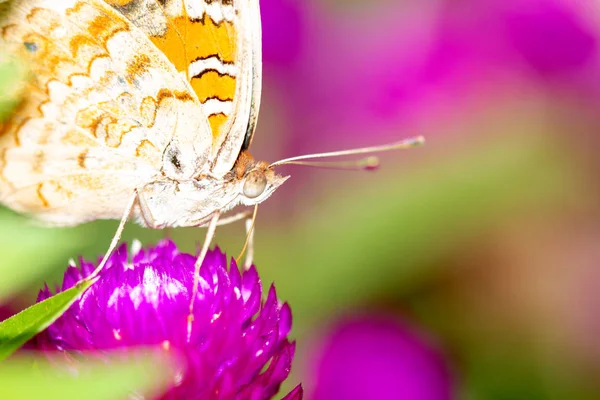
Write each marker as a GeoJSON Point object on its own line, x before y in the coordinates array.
{"type": "Point", "coordinates": [465, 269]}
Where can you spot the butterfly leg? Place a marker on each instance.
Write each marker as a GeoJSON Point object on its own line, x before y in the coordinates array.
{"type": "Point", "coordinates": [145, 211]}
{"type": "Point", "coordinates": [115, 240]}
{"type": "Point", "coordinates": [234, 218]}
{"type": "Point", "coordinates": [250, 248]}
{"type": "Point", "coordinates": [148, 218]}
{"type": "Point", "coordinates": [249, 243]}
{"type": "Point", "coordinates": [212, 226]}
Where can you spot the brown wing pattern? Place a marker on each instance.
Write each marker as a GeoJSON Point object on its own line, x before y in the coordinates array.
{"type": "Point", "coordinates": [102, 105]}
{"type": "Point", "coordinates": [211, 43]}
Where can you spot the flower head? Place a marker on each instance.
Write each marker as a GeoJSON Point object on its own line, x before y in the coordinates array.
{"type": "Point", "coordinates": [238, 347]}
{"type": "Point", "coordinates": [376, 357]}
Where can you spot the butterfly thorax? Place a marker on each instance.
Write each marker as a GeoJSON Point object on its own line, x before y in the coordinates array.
{"type": "Point", "coordinates": [192, 202]}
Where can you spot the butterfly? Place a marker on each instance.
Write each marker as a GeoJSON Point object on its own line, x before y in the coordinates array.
{"type": "Point", "coordinates": [137, 109]}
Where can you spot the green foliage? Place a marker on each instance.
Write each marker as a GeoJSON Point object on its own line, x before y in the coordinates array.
{"type": "Point", "coordinates": [28, 251]}
{"type": "Point", "coordinates": [35, 379]}
{"type": "Point", "coordinates": [19, 328]}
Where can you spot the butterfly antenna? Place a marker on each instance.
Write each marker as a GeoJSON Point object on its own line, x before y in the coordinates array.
{"type": "Point", "coordinates": [368, 163]}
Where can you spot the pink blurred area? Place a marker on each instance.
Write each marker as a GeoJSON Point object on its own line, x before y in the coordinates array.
{"type": "Point", "coordinates": [358, 73]}
{"type": "Point", "coordinates": [466, 74]}
{"type": "Point", "coordinates": [375, 357]}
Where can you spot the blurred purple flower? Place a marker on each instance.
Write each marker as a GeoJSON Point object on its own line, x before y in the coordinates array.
{"type": "Point", "coordinates": [358, 73]}
{"type": "Point", "coordinates": [282, 24]}
{"type": "Point", "coordinates": [5, 312]}
{"type": "Point", "coordinates": [238, 348]}
{"type": "Point", "coordinates": [385, 69]}
{"type": "Point", "coordinates": [551, 35]}
{"type": "Point", "coordinates": [378, 358]}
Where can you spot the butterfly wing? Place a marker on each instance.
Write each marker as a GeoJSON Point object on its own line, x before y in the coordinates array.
{"type": "Point", "coordinates": [105, 113]}
{"type": "Point", "coordinates": [216, 45]}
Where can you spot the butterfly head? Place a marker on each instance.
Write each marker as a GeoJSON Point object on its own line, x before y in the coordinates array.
{"type": "Point", "coordinates": [256, 180]}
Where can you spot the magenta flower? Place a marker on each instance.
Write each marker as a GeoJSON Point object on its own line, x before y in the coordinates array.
{"type": "Point", "coordinates": [238, 348]}
{"type": "Point", "coordinates": [282, 24]}
{"type": "Point", "coordinates": [375, 71]}
{"type": "Point", "coordinates": [368, 358]}
{"type": "Point", "coordinates": [552, 36]}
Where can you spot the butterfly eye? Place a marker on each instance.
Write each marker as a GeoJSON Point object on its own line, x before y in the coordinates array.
{"type": "Point", "coordinates": [255, 184]}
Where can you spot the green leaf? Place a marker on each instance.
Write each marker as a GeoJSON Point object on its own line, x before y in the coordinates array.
{"type": "Point", "coordinates": [18, 329]}
{"type": "Point", "coordinates": [37, 379]}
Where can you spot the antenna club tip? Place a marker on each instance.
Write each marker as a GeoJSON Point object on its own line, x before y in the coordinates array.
{"type": "Point", "coordinates": [418, 141]}
{"type": "Point", "coordinates": [370, 163]}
